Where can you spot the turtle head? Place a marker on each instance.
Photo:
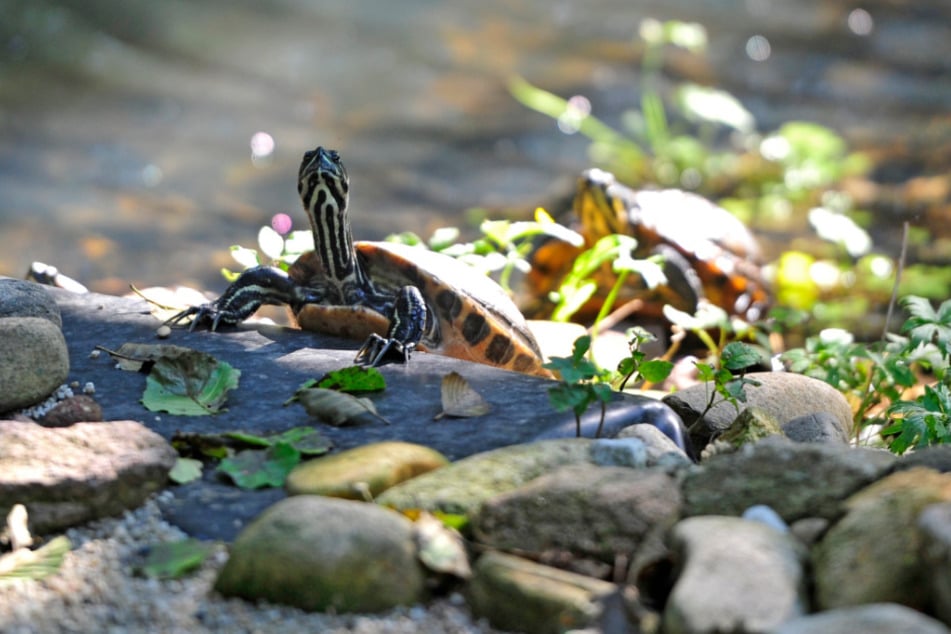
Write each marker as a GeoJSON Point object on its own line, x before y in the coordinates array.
{"type": "Point", "coordinates": [601, 203]}
{"type": "Point", "coordinates": [324, 188]}
{"type": "Point", "coordinates": [321, 170]}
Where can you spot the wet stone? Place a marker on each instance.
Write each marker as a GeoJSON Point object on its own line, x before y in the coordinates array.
{"type": "Point", "coordinates": [19, 298]}
{"type": "Point", "coordinates": [70, 475]}
{"type": "Point", "coordinates": [326, 554]}
{"type": "Point", "coordinates": [363, 471]}
{"type": "Point", "coordinates": [34, 361]}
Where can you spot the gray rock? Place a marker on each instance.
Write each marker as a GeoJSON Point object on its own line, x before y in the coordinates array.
{"type": "Point", "coordinates": [873, 554]}
{"type": "Point", "coordinates": [34, 361]}
{"type": "Point", "coordinates": [661, 450]}
{"type": "Point", "coordinates": [937, 457]}
{"type": "Point", "coordinates": [874, 618]}
{"type": "Point", "coordinates": [817, 427]}
{"type": "Point", "coordinates": [784, 395]}
{"type": "Point", "coordinates": [766, 516]}
{"type": "Point", "coordinates": [70, 475]}
{"type": "Point", "coordinates": [619, 452]}
{"type": "Point", "coordinates": [463, 486]}
{"type": "Point", "coordinates": [584, 510]}
{"type": "Point", "coordinates": [935, 526]}
{"type": "Point", "coordinates": [795, 479]}
{"type": "Point", "coordinates": [19, 298]}
{"type": "Point", "coordinates": [327, 554]}
{"type": "Point", "coordinates": [520, 595]}
{"type": "Point", "coordinates": [737, 576]}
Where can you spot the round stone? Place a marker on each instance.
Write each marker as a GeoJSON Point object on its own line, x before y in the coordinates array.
{"type": "Point", "coordinates": [34, 361]}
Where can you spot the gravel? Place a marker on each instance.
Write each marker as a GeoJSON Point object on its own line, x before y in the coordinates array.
{"type": "Point", "coordinates": [95, 591]}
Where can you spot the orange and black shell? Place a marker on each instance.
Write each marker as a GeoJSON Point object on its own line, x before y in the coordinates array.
{"type": "Point", "coordinates": [476, 320]}
{"type": "Point", "coordinates": [721, 252]}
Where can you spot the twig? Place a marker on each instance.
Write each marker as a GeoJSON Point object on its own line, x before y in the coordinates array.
{"type": "Point", "coordinates": [898, 272]}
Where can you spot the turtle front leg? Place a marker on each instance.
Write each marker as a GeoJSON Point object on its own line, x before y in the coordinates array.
{"type": "Point", "coordinates": [253, 288]}
{"type": "Point", "coordinates": [408, 321]}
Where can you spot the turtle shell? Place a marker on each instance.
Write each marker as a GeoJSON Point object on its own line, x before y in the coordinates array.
{"type": "Point", "coordinates": [709, 253]}
{"type": "Point", "coordinates": [476, 320]}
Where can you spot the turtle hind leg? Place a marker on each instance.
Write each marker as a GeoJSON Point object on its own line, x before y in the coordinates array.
{"type": "Point", "coordinates": [409, 319]}
{"type": "Point", "coordinates": [253, 288]}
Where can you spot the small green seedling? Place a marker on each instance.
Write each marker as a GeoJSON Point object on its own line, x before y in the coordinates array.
{"type": "Point", "coordinates": [582, 384]}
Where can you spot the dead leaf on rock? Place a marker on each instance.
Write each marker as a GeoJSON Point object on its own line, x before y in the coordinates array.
{"type": "Point", "coordinates": [134, 357]}
{"type": "Point", "coordinates": [440, 548]}
{"type": "Point", "coordinates": [459, 400]}
{"type": "Point", "coordinates": [193, 384]}
{"type": "Point", "coordinates": [339, 409]}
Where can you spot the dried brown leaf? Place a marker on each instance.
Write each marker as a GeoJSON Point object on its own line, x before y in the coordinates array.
{"type": "Point", "coordinates": [459, 399]}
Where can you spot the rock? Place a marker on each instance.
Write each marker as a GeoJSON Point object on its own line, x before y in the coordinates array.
{"type": "Point", "coordinates": [737, 576]}
{"type": "Point", "coordinates": [516, 594]}
{"type": "Point", "coordinates": [874, 618]}
{"type": "Point", "coordinates": [784, 395]}
{"type": "Point", "coordinates": [766, 516]}
{"type": "Point", "coordinates": [935, 526]}
{"type": "Point", "coordinates": [583, 510]}
{"type": "Point", "coordinates": [750, 425]}
{"type": "Point", "coordinates": [75, 409]}
{"type": "Point", "coordinates": [937, 457]}
{"type": "Point", "coordinates": [370, 469]}
{"type": "Point", "coordinates": [619, 452]}
{"type": "Point", "coordinates": [817, 427]}
{"type": "Point", "coordinates": [464, 485]}
{"type": "Point", "coordinates": [661, 450]}
{"type": "Point", "coordinates": [326, 554]}
{"type": "Point", "coordinates": [19, 298]}
{"type": "Point", "coordinates": [74, 474]}
{"type": "Point", "coordinates": [872, 555]}
{"type": "Point", "coordinates": [33, 361]}
{"type": "Point", "coordinates": [795, 479]}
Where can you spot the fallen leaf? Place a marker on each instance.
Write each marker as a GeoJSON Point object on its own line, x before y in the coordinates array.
{"type": "Point", "coordinates": [134, 357]}
{"type": "Point", "coordinates": [459, 399]}
{"type": "Point", "coordinates": [185, 470]}
{"type": "Point", "coordinates": [339, 409]}
{"type": "Point", "coordinates": [306, 440]}
{"type": "Point", "coordinates": [192, 384]}
{"type": "Point", "coordinates": [355, 378]}
{"type": "Point", "coordinates": [173, 560]}
{"type": "Point", "coordinates": [440, 548]}
{"type": "Point", "coordinates": [258, 468]}
{"type": "Point", "coordinates": [34, 564]}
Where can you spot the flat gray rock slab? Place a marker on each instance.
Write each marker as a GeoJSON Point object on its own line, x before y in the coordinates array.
{"type": "Point", "coordinates": [274, 361]}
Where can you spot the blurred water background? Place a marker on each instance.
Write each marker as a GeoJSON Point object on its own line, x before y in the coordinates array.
{"type": "Point", "coordinates": [140, 139]}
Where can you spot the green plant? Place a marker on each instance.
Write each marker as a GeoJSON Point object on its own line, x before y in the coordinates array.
{"type": "Point", "coordinates": [581, 385]}
{"type": "Point", "coordinates": [926, 420]}
{"type": "Point", "coordinates": [635, 367]}
{"type": "Point", "coordinates": [729, 380]}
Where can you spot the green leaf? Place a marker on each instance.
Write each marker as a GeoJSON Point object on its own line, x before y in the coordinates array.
{"type": "Point", "coordinates": [256, 468]}
{"type": "Point", "coordinates": [193, 384]}
{"type": "Point", "coordinates": [34, 564]}
{"type": "Point", "coordinates": [173, 560]}
{"type": "Point", "coordinates": [656, 370]}
{"type": "Point", "coordinates": [185, 470]}
{"type": "Point", "coordinates": [306, 440]}
{"type": "Point", "coordinates": [352, 379]}
{"type": "Point", "coordinates": [739, 356]}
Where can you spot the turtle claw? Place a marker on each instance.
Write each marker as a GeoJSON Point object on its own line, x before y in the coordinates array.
{"type": "Point", "coordinates": [376, 350]}
{"type": "Point", "coordinates": [198, 315]}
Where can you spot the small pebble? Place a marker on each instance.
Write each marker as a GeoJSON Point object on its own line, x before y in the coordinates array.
{"type": "Point", "coordinates": [163, 331]}
{"type": "Point", "coordinates": [95, 354]}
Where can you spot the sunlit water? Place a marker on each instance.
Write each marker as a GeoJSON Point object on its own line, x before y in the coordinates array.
{"type": "Point", "coordinates": [138, 140]}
